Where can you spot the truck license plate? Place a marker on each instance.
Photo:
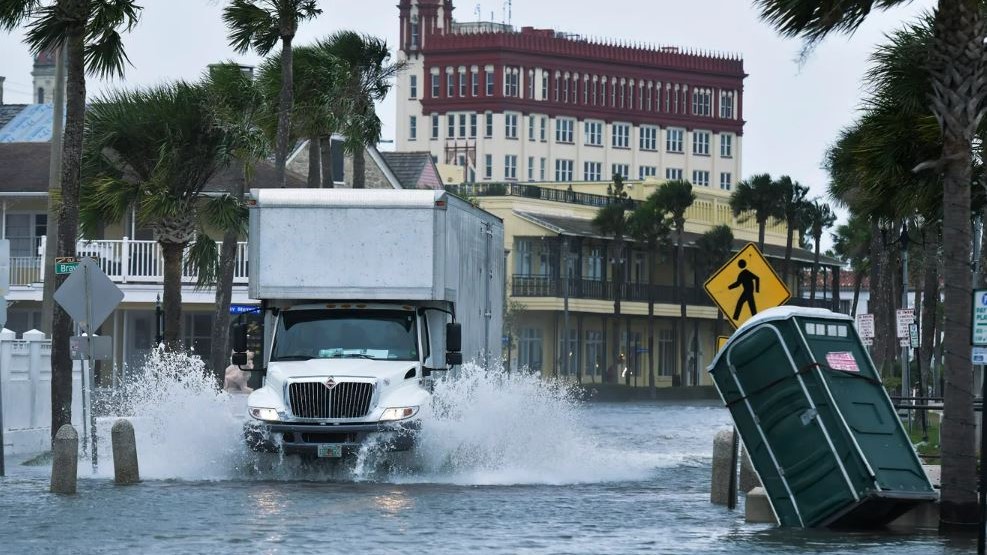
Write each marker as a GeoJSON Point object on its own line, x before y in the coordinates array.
{"type": "Point", "coordinates": [329, 451]}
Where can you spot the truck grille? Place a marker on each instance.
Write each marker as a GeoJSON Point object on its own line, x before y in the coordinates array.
{"type": "Point", "coordinates": [315, 400]}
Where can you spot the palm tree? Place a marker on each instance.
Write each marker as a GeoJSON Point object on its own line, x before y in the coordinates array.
{"type": "Point", "coordinates": [611, 220]}
{"type": "Point", "coordinates": [153, 150]}
{"type": "Point", "coordinates": [90, 35]}
{"type": "Point", "coordinates": [261, 24]}
{"type": "Point", "coordinates": [714, 248]}
{"type": "Point", "coordinates": [758, 197]}
{"type": "Point", "coordinates": [955, 65]}
{"type": "Point", "coordinates": [648, 225]}
{"type": "Point", "coordinates": [675, 197]}
{"type": "Point", "coordinates": [792, 205]}
{"type": "Point", "coordinates": [851, 242]}
{"type": "Point", "coordinates": [238, 108]}
{"type": "Point", "coordinates": [819, 217]}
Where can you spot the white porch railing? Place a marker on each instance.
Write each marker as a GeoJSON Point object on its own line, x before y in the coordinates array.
{"type": "Point", "coordinates": [123, 260]}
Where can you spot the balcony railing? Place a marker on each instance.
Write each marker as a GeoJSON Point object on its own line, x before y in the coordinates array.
{"type": "Point", "coordinates": [123, 260]}
{"type": "Point", "coordinates": [532, 192]}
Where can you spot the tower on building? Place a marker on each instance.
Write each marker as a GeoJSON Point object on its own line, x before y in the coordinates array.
{"type": "Point", "coordinates": [44, 78]}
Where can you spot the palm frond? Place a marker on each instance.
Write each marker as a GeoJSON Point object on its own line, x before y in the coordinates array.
{"type": "Point", "coordinates": [251, 26]}
{"type": "Point", "coordinates": [226, 213]}
{"type": "Point", "coordinates": [203, 258]}
{"type": "Point", "coordinates": [815, 19]}
{"type": "Point", "coordinates": [13, 13]}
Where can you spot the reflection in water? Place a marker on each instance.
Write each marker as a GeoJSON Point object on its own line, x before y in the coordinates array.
{"type": "Point", "coordinates": [394, 502]}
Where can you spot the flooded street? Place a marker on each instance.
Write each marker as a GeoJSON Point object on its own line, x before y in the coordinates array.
{"type": "Point", "coordinates": [526, 470]}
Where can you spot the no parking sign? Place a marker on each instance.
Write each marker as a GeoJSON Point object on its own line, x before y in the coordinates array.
{"type": "Point", "coordinates": [979, 318]}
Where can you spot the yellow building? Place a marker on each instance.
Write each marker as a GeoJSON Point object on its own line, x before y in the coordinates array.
{"type": "Point", "coordinates": [543, 221]}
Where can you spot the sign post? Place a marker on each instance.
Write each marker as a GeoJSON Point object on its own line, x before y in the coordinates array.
{"type": "Point", "coordinates": [4, 289]}
{"type": "Point", "coordinates": [746, 285]}
{"type": "Point", "coordinates": [978, 329]}
{"type": "Point", "coordinates": [89, 297]}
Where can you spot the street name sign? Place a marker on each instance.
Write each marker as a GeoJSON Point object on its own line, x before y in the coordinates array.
{"type": "Point", "coordinates": [746, 285]}
{"type": "Point", "coordinates": [979, 319]}
{"type": "Point", "coordinates": [65, 264]}
{"type": "Point", "coordinates": [88, 296]}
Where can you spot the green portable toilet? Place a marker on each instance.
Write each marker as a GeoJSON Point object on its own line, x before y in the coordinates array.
{"type": "Point", "coordinates": [820, 429]}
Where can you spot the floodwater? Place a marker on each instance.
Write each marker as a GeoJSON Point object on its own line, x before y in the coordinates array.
{"type": "Point", "coordinates": [507, 465]}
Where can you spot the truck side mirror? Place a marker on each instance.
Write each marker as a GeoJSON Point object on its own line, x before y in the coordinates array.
{"type": "Point", "coordinates": [239, 337]}
{"type": "Point", "coordinates": [239, 359]}
{"type": "Point", "coordinates": [454, 336]}
{"type": "Point", "coordinates": [454, 358]}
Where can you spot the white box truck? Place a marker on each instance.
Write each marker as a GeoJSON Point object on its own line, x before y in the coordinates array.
{"type": "Point", "coordinates": [365, 294]}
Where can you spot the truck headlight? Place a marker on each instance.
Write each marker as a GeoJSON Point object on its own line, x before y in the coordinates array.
{"type": "Point", "coordinates": [398, 413]}
{"type": "Point", "coordinates": [269, 415]}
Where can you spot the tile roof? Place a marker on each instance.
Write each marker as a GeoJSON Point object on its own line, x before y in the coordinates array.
{"type": "Point", "coordinates": [8, 111]}
{"type": "Point", "coordinates": [407, 166]}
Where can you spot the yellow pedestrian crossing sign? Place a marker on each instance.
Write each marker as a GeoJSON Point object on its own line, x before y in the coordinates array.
{"type": "Point", "coordinates": [746, 285]}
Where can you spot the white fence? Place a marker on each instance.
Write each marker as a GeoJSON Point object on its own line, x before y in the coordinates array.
{"type": "Point", "coordinates": [25, 379]}
{"type": "Point", "coordinates": [123, 260]}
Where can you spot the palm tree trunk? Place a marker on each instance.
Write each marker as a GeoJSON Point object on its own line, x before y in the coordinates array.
{"type": "Point", "coordinates": [68, 221]}
{"type": "Point", "coordinates": [814, 274]}
{"type": "Point", "coordinates": [957, 70]}
{"type": "Point", "coordinates": [220, 334]}
{"type": "Point", "coordinates": [314, 163]}
{"type": "Point", "coordinates": [328, 179]}
{"type": "Point", "coordinates": [875, 297]}
{"type": "Point", "coordinates": [286, 100]}
{"type": "Point", "coordinates": [761, 225]}
{"type": "Point", "coordinates": [171, 299]}
{"type": "Point", "coordinates": [788, 251]}
{"type": "Point", "coordinates": [651, 321]}
{"type": "Point", "coordinates": [359, 169]}
{"type": "Point", "coordinates": [858, 278]}
{"type": "Point", "coordinates": [683, 304]}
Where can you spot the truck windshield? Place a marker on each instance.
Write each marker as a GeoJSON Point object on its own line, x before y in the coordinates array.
{"type": "Point", "coordinates": [373, 334]}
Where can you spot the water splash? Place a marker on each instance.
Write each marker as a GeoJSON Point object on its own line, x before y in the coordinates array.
{"type": "Point", "coordinates": [484, 427]}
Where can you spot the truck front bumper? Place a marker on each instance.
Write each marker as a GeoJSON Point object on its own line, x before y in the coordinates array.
{"type": "Point", "coordinates": [305, 438]}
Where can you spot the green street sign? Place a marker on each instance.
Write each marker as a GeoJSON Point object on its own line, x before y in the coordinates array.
{"type": "Point", "coordinates": [65, 265]}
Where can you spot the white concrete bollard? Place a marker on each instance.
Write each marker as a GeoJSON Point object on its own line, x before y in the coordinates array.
{"type": "Point", "coordinates": [125, 469]}
{"type": "Point", "coordinates": [757, 509]}
{"type": "Point", "coordinates": [723, 466]}
{"type": "Point", "coordinates": [65, 460]}
{"type": "Point", "coordinates": [748, 478]}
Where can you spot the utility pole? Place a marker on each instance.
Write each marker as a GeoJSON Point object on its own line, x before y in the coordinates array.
{"type": "Point", "coordinates": [905, 386]}
{"type": "Point", "coordinates": [54, 186]}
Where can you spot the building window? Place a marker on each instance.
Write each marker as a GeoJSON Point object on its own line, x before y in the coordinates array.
{"type": "Point", "coordinates": [565, 90]}
{"type": "Point", "coordinates": [544, 129]}
{"type": "Point", "coordinates": [649, 137]}
{"type": "Point", "coordinates": [726, 104]}
{"type": "Point", "coordinates": [563, 170]}
{"type": "Point", "coordinates": [544, 86]}
{"type": "Point", "coordinates": [644, 172]}
{"type": "Point", "coordinates": [435, 85]}
{"type": "Point", "coordinates": [488, 166]}
{"type": "Point", "coordinates": [435, 126]}
{"type": "Point", "coordinates": [700, 143]}
{"type": "Point", "coordinates": [462, 125]}
{"type": "Point", "coordinates": [25, 232]}
{"type": "Point", "coordinates": [563, 130]}
{"type": "Point", "coordinates": [530, 349]}
{"type": "Point", "coordinates": [674, 140]}
{"type": "Point", "coordinates": [593, 264]}
{"type": "Point", "coordinates": [542, 164]}
{"type": "Point", "coordinates": [462, 83]}
{"type": "Point", "coordinates": [594, 133]}
{"type": "Point", "coordinates": [594, 86]}
{"type": "Point", "coordinates": [451, 125]}
{"type": "Point", "coordinates": [510, 167]}
{"type": "Point", "coordinates": [726, 181]}
{"type": "Point", "coordinates": [586, 86]}
{"type": "Point", "coordinates": [531, 84]}
{"type": "Point", "coordinates": [413, 86]}
{"type": "Point", "coordinates": [700, 178]}
{"type": "Point", "coordinates": [531, 128]}
{"type": "Point", "coordinates": [673, 174]}
{"type": "Point", "coordinates": [450, 83]}
{"type": "Point", "coordinates": [623, 93]}
{"type": "Point", "coordinates": [613, 93]}
{"type": "Point", "coordinates": [592, 171]}
{"type": "Point", "coordinates": [621, 135]}
{"type": "Point", "coordinates": [510, 82]}
{"type": "Point", "coordinates": [488, 131]}
{"type": "Point", "coordinates": [531, 168]}
{"type": "Point", "coordinates": [702, 101]}
{"type": "Point", "coordinates": [414, 32]}
{"type": "Point", "coordinates": [726, 145]}
{"type": "Point", "coordinates": [667, 362]}
{"type": "Point", "coordinates": [623, 170]}
{"type": "Point", "coordinates": [475, 82]}
{"type": "Point", "coordinates": [522, 257]}
{"type": "Point", "coordinates": [557, 88]}
{"type": "Point", "coordinates": [412, 128]}
{"type": "Point", "coordinates": [490, 82]}
{"type": "Point", "coordinates": [594, 354]}
{"type": "Point", "coordinates": [473, 125]}
{"type": "Point", "coordinates": [510, 126]}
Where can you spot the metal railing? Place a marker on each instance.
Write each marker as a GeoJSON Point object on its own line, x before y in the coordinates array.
{"type": "Point", "coordinates": [550, 286]}
{"type": "Point", "coordinates": [124, 261]}
{"type": "Point", "coordinates": [532, 192]}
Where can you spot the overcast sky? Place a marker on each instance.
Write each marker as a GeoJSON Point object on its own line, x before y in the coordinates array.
{"type": "Point", "coordinates": [793, 110]}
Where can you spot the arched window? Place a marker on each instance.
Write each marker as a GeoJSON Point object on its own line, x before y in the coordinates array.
{"type": "Point", "coordinates": [41, 95]}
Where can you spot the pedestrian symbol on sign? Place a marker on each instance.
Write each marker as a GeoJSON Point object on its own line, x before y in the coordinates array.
{"type": "Point", "coordinates": [751, 284]}
{"type": "Point", "coordinates": [746, 285]}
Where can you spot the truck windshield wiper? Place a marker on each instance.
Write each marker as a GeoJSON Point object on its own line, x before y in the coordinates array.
{"type": "Point", "coordinates": [357, 355]}
{"type": "Point", "coordinates": [293, 357]}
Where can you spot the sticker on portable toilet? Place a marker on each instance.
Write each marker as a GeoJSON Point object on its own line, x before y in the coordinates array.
{"type": "Point", "coordinates": [842, 361]}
